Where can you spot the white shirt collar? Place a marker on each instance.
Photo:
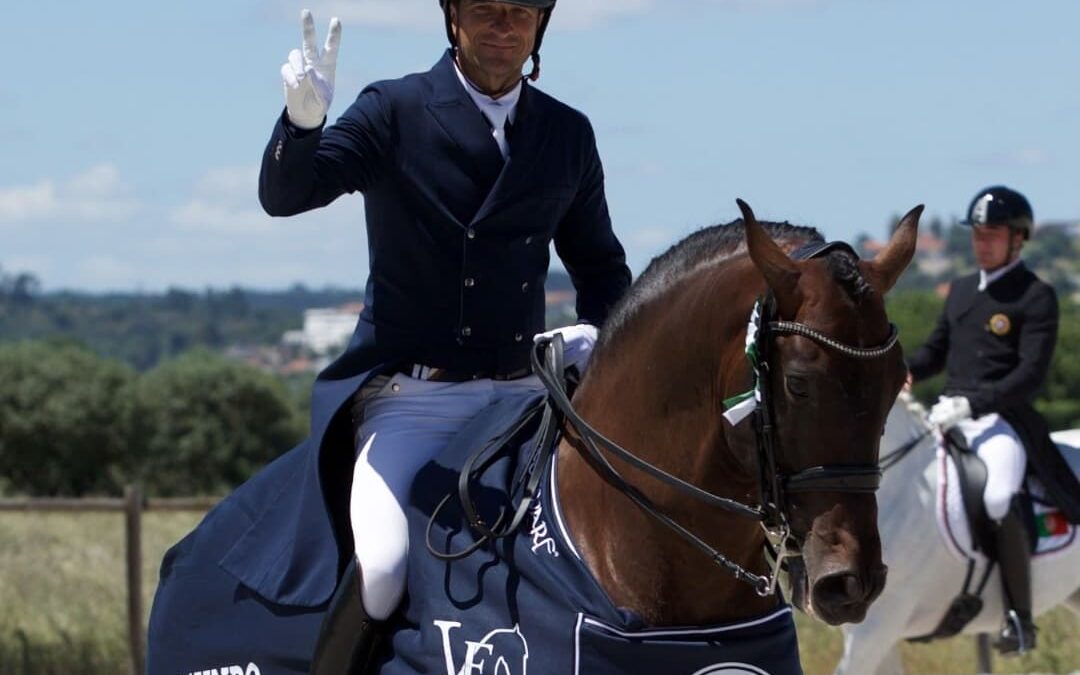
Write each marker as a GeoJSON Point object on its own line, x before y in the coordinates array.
{"type": "Point", "coordinates": [505, 104]}
{"type": "Point", "coordinates": [987, 278]}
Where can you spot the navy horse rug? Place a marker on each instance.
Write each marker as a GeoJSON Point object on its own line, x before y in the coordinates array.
{"type": "Point", "coordinates": [527, 603]}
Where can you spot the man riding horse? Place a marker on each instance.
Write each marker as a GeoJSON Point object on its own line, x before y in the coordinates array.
{"type": "Point", "coordinates": [468, 173]}
{"type": "Point", "coordinates": [996, 338]}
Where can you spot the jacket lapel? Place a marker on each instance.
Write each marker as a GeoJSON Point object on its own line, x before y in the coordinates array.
{"type": "Point", "coordinates": [526, 141]}
{"type": "Point", "coordinates": [463, 122]}
{"type": "Point", "coordinates": [967, 292]}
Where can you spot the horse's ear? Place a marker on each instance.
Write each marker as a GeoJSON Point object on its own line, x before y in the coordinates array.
{"type": "Point", "coordinates": [887, 266]}
{"type": "Point", "coordinates": [780, 272]}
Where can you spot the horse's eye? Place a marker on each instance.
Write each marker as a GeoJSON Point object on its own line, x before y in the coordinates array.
{"type": "Point", "coordinates": [797, 386]}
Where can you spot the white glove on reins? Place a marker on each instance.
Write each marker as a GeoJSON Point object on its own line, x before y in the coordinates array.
{"type": "Point", "coordinates": [309, 75]}
{"type": "Point", "coordinates": [949, 411]}
{"type": "Point", "coordinates": [578, 341]}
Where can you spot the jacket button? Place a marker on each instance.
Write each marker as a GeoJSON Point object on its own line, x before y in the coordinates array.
{"type": "Point", "coordinates": [466, 331]}
{"type": "Point", "coordinates": [518, 337]}
{"type": "Point", "coordinates": [525, 287]}
{"type": "Point", "coordinates": [470, 282]}
{"type": "Point", "coordinates": [396, 387]}
{"type": "Point", "coordinates": [528, 239]}
{"type": "Point", "coordinates": [470, 233]}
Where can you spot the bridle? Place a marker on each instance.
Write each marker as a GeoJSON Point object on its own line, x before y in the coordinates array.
{"type": "Point", "coordinates": [774, 486]}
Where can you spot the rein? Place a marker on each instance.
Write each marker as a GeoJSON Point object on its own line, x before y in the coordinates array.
{"type": "Point", "coordinates": [774, 486]}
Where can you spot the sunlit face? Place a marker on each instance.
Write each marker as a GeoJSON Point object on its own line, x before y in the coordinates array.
{"type": "Point", "coordinates": [494, 38]}
{"type": "Point", "coordinates": [994, 245]}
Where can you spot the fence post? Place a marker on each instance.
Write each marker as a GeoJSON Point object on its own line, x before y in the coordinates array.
{"type": "Point", "coordinates": [984, 662]}
{"type": "Point", "coordinates": [133, 528]}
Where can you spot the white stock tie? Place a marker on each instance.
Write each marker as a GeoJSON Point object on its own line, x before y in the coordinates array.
{"type": "Point", "coordinates": [496, 115]}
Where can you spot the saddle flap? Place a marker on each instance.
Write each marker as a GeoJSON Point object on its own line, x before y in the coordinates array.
{"type": "Point", "coordinates": [971, 471]}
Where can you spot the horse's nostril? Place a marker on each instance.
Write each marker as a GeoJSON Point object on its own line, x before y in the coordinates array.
{"type": "Point", "coordinates": [839, 589]}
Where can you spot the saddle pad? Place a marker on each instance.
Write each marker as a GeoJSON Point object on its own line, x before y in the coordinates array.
{"type": "Point", "coordinates": [1055, 532]}
{"type": "Point", "coordinates": [529, 604]}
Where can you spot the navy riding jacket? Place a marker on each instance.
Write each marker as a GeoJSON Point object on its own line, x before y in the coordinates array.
{"type": "Point", "coordinates": [457, 238]}
{"type": "Point", "coordinates": [458, 246]}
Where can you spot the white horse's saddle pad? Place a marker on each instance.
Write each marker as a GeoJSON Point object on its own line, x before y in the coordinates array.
{"type": "Point", "coordinates": [1055, 532]}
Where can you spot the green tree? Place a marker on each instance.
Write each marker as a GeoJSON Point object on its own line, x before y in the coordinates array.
{"type": "Point", "coordinates": [915, 314]}
{"type": "Point", "coordinates": [1060, 401]}
{"type": "Point", "coordinates": [64, 419]}
{"type": "Point", "coordinates": [206, 424]}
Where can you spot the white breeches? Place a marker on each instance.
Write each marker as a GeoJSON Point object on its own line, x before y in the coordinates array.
{"type": "Point", "coordinates": [996, 443]}
{"type": "Point", "coordinates": [404, 423]}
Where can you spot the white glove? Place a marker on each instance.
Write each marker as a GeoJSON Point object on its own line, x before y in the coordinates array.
{"type": "Point", "coordinates": [578, 341]}
{"type": "Point", "coordinates": [309, 75]}
{"type": "Point", "coordinates": [950, 410]}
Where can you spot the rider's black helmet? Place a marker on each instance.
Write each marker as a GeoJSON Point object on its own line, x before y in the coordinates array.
{"type": "Point", "coordinates": [1000, 205]}
{"type": "Point", "coordinates": [548, 5]}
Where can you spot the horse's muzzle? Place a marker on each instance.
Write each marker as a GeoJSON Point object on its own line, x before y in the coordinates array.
{"type": "Point", "coordinates": [844, 596]}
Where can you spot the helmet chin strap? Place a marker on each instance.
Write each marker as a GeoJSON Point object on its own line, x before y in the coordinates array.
{"type": "Point", "coordinates": [1014, 247]}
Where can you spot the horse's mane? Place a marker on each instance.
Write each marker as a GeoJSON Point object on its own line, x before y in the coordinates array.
{"type": "Point", "coordinates": [714, 244]}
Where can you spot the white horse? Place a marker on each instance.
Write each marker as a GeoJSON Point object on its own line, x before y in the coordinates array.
{"type": "Point", "coordinates": [925, 572]}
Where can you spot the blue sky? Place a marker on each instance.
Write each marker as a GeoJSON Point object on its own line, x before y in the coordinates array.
{"type": "Point", "coordinates": [132, 131]}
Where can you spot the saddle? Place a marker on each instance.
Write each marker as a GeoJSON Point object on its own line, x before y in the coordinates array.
{"type": "Point", "coordinates": [970, 483]}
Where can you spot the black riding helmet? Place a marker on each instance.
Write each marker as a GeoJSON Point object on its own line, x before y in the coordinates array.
{"type": "Point", "coordinates": [548, 5]}
{"type": "Point", "coordinates": [1000, 205]}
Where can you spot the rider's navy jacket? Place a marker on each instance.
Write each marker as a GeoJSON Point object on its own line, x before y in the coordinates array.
{"type": "Point", "coordinates": [458, 247]}
{"type": "Point", "coordinates": [996, 344]}
{"type": "Point", "coordinates": [457, 238]}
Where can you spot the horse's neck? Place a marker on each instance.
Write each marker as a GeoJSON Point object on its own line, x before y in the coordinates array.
{"type": "Point", "coordinates": [662, 409]}
{"type": "Point", "coordinates": [641, 564]}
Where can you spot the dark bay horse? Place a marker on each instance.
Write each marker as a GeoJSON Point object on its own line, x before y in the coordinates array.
{"type": "Point", "coordinates": [669, 357]}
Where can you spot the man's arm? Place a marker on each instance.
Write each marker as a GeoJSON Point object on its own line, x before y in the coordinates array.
{"type": "Point", "coordinates": [305, 169]}
{"type": "Point", "coordinates": [588, 247]}
{"type": "Point", "coordinates": [1038, 336]}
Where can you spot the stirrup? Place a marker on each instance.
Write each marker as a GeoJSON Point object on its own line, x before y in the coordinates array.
{"type": "Point", "coordinates": [1022, 638]}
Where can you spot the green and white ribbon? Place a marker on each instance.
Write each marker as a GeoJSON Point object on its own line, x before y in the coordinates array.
{"type": "Point", "coordinates": [739, 407]}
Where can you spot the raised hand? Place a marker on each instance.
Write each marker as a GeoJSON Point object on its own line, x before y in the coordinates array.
{"type": "Point", "coordinates": [308, 75]}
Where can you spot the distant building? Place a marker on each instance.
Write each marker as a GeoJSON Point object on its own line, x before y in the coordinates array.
{"type": "Point", "coordinates": [930, 255]}
{"type": "Point", "coordinates": [1070, 227]}
{"type": "Point", "coordinates": [326, 329]}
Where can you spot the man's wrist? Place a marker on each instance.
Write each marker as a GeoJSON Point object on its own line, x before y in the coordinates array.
{"type": "Point", "coordinates": [299, 130]}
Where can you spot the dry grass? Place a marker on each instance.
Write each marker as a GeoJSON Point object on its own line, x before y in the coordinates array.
{"type": "Point", "coordinates": [63, 589]}
{"type": "Point", "coordinates": [63, 604]}
{"type": "Point", "coordinates": [1059, 650]}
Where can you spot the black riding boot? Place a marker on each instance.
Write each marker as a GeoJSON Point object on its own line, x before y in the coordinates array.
{"type": "Point", "coordinates": [348, 638]}
{"type": "Point", "coordinates": [1014, 557]}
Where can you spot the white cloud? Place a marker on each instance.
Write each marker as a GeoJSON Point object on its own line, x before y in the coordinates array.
{"type": "Point", "coordinates": [95, 195]}
{"type": "Point", "coordinates": [107, 271]}
{"type": "Point", "coordinates": [409, 14]}
{"type": "Point", "coordinates": [583, 14]}
{"type": "Point", "coordinates": [423, 15]}
{"type": "Point", "coordinates": [1019, 158]}
{"type": "Point", "coordinates": [223, 202]}
{"type": "Point", "coordinates": [652, 238]}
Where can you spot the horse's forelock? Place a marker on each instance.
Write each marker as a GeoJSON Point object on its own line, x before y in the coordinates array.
{"type": "Point", "coordinates": [844, 268]}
